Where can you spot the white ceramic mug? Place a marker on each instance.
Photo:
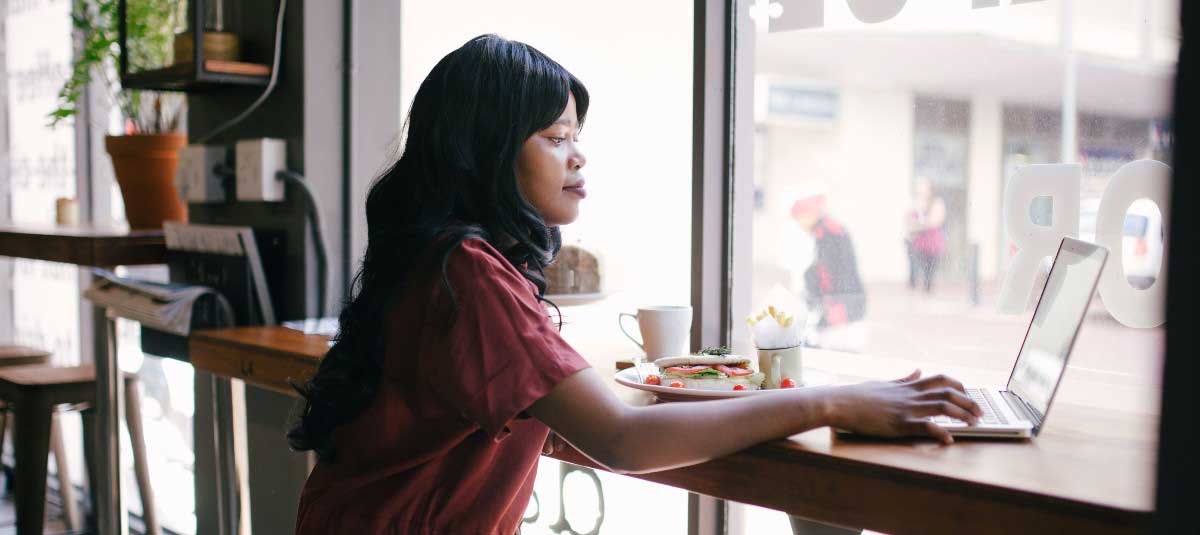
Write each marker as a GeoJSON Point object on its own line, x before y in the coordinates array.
{"type": "Point", "coordinates": [780, 364]}
{"type": "Point", "coordinates": [665, 330]}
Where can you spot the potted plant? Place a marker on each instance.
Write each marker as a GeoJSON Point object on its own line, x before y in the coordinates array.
{"type": "Point", "coordinates": [145, 156]}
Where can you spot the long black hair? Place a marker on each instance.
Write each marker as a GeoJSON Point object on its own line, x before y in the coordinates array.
{"type": "Point", "coordinates": [454, 180]}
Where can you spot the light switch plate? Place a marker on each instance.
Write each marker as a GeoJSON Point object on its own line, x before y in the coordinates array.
{"type": "Point", "coordinates": [195, 176]}
{"type": "Point", "coordinates": [257, 162]}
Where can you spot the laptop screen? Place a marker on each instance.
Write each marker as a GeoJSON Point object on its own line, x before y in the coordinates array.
{"type": "Point", "coordinates": [1056, 320]}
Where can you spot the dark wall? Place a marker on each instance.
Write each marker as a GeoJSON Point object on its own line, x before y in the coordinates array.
{"type": "Point", "coordinates": [280, 116]}
{"type": "Point", "coordinates": [275, 474]}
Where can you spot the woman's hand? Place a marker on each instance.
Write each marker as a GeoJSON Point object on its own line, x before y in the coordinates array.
{"type": "Point", "coordinates": [900, 408]}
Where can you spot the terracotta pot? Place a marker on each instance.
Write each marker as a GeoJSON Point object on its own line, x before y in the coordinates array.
{"type": "Point", "coordinates": [145, 166]}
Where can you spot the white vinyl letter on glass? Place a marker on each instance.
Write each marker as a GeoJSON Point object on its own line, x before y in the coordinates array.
{"type": "Point", "coordinates": [1035, 242]}
{"type": "Point", "coordinates": [795, 14]}
{"type": "Point", "coordinates": [871, 11]}
{"type": "Point", "coordinates": [1132, 307]}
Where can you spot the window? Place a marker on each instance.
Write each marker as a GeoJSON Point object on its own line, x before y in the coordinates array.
{"type": "Point", "coordinates": [636, 60]}
{"type": "Point", "coordinates": [898, 125]}
{"type": "Point", "coordinates": [41, 168]}
{"type": "Point", "coordinates": [42, 299]}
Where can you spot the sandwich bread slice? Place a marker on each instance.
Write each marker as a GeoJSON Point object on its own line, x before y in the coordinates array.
{"type": "Point", "coordinates": [709, 372]}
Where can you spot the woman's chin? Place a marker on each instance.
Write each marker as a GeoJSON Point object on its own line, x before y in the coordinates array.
{"type": "Point", "coordinates": [564, 215]}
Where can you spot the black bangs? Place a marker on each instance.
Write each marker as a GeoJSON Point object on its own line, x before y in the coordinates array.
{"type": "Point", "coordinates": [546, 83]}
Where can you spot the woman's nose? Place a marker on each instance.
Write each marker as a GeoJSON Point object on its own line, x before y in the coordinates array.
{"type": "Point", "coordinates": [578, 160]}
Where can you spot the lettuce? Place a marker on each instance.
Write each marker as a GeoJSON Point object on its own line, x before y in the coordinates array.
{"type": "Point", "coordinates": [709, 373]}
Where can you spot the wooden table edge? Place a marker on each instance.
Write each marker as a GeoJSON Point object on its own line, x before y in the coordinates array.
{"type": "Point", "coordinates": [217, 336]}
{"type": "Point", "coordinates": [98, 250]}
{"type": "Point", "coordinates": [949, 511]}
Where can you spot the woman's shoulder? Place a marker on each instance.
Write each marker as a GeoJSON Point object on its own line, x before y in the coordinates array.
{"type": "Point", "coordinates": [476, 262]}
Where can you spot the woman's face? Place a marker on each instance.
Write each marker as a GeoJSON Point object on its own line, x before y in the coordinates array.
{"type": "Point", "coordinates": [548, 169]}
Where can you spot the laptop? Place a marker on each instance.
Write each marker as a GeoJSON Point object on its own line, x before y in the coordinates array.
{"type": "Point", "coordinates": [1019, 410]}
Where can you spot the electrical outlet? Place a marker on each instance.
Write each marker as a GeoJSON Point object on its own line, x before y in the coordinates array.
{"type": "Point", "coordinates": [257, 162]}
{"type": "Point", "coordinates": [195, 176]}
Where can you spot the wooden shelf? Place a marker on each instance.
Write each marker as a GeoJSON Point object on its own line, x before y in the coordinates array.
{"type": "Point", "coordinates": [184, 77]}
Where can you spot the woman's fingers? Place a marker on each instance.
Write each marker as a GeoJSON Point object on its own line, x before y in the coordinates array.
{"type": "Point", "coordinates": [939, 381]}
{"type": "Point", "coordinates": [953, 396]}
{"type": "Point", "coordinates": [916, 374]}
{"type": "Point", "coordinates": [940, 408]}
{"type": "Point", "coordinates": [926, 427]}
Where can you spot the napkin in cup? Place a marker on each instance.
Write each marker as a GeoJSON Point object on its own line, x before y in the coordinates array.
{"type": "Point", "coordinates": [780, 322]}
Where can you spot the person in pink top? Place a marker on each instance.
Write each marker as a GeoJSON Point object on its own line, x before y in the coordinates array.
{"type": "Point", "coordinates": [925, 238]}
{"type": "Point", "coordinates": [430, 411]}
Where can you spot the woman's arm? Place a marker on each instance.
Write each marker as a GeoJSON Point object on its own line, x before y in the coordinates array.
{"type": "Point", "coordinates": [624, 439]}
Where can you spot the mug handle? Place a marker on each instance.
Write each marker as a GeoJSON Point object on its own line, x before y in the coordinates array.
{"type": "Point", "coordinates": [621, 324]}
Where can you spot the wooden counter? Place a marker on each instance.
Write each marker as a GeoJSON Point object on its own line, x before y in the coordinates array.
{"type": "Point", "coordinates": [84, 246]}
{"type": "Point", "coordinates": [1090, 471]}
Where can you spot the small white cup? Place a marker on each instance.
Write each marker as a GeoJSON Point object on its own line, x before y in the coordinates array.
{"type": "Point", "coordinates": [665, 330]}
{"type": "Point", "coordinates": [66, 211]}
{"type": "Point", "coordinates": [780, 364]}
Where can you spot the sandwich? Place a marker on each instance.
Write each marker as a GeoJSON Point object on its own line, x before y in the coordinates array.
{"type": "Point", "coordinates": [708, 372]}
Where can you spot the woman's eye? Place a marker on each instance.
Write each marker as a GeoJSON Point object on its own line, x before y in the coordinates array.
{"type": "Point", "coordinates": [558, 140]}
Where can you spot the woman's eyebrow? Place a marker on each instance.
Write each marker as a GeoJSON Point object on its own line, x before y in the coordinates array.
{"type": "Point", "coordinates": [565, 121]}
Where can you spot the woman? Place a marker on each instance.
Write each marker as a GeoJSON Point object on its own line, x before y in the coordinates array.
{"type": "Point", "coordinates": [430, 411]}
{"type": "Point", "coordinates": [926, 241]}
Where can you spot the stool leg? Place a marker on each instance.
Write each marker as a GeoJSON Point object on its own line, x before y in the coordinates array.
{"type": "Point", "coordinates": [32, 446]}
{"type": "Point", "coordinates": [89, 460]}
{"type": "Point", "coordinates": [137, 439]}
{"type": "Point", "coordinates": [66, 488]}
{"type": "Point", "coordinates": [3, 428]}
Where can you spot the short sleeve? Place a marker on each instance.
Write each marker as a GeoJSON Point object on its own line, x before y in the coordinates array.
{"type": "Point", "coordinates": [503, 352]}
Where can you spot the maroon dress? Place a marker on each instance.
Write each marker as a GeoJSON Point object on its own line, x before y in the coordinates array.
{"type": "Point", "coordinates": [444, 446]}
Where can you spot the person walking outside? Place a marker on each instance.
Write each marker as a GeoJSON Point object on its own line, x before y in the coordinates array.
{"type": "Point", "coordinates": [925, 238]}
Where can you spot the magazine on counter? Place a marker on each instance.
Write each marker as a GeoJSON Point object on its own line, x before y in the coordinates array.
{"type": "Point", "coordinates": [163, 306]}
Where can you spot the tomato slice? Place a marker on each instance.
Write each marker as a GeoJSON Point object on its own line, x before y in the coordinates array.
{"type": "Point", "coordinates": [653, 380]}
{"type": "Point", "coordinates": [687, 369]}
{"type": "Point", "coordinates": [739, 387]}
{"type": "Point", "coordinates": [733, 371]}
{"type": "Point", "coordinates": [676, 384]}
{"type": "Point", "coordinates": [787, 383]}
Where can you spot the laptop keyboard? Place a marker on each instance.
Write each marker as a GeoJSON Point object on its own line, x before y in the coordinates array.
{"type": "Point", "coordinates": [991, 414]}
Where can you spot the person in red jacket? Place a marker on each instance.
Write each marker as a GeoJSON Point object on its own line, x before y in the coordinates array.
{"type": "Point", "coordinates": [832, 284]}
{"type": "Point", "coordinates": [431, 409]}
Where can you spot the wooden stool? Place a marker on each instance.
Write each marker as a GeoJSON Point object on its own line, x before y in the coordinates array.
{"type": "Point", "coordinates": [34, 392]}
{"type": "Point", "coordinates": [13, 355]}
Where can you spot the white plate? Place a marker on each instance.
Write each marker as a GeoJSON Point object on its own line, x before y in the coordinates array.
{"type": "Point", "coordinates": [629, 377]}
{"type": "Point", "coordinates": [570, 300]}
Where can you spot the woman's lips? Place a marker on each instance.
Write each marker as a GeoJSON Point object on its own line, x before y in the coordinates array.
{"type": "Point", "coordinates": [577, 189]}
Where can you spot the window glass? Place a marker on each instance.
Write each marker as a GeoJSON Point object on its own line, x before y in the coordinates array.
{"type": "Point", "coordinates": [886, 137]}
{"type": "Point", "coordinates": [41, 298]}
{"type": "Point", "coordinates": [45, 296]}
